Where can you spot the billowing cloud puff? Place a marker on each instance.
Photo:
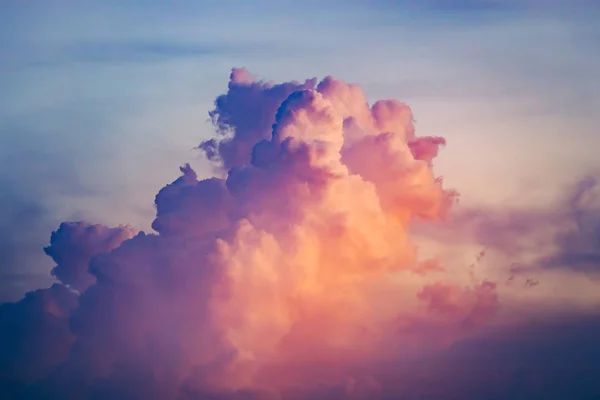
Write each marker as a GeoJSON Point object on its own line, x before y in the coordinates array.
{"type": "Point", "coordinates": [295, 276]}
{"type": "Point", "coordinates": [245, 115]}
{"type": "Point", "coordinates": [75, 243]}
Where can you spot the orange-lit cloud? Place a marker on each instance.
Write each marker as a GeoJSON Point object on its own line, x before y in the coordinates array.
{"type": "Point", "coordinates": [295, 276]}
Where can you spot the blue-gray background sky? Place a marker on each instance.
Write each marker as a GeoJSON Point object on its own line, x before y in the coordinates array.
{"type": "Point", "coordinates": [101, 101]}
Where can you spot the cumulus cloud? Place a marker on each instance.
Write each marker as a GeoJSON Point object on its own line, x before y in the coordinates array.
{"type": "Point", "coordinates": [74, 244]}
{"type": "Point", "coordinates": [245, 115]}
{"type": "Point", "coordinates": [293, 274]}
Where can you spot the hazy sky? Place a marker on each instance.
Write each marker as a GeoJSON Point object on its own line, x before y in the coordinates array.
{"type": "Point", "coordinates": [102, 101]}
{"type": "Point", "coordinates": [329, 266]}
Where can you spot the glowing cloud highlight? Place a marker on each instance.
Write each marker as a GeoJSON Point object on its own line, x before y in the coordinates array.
{"type": "Point", "coordinates": [294, 274]}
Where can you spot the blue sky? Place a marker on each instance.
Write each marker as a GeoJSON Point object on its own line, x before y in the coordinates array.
{"type": "Point", "coordinates": [102, 101]}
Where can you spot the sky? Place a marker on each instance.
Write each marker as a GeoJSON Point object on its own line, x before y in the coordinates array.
{"type": "Point", "coordinates": [103, 101]}
{"type": "Point", "coordinates": [94, 89]}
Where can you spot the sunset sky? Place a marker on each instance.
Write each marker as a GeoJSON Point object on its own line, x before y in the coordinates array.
{"type": "Point", "coordinates": [101, 102]}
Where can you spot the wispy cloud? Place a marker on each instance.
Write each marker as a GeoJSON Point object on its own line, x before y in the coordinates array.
{"type": "Point", "coordinates": [141, 52]}
{"type": "Point", "coordinates": [145, 51]}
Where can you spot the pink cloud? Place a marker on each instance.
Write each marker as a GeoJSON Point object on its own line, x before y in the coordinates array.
{"type": "Point", "coordinates": [74, 244]}
{"type": "Point", "coordinates": [295, 276]}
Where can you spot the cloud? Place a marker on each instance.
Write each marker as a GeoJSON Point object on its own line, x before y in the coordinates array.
{"type": "Point", "coordinates": [564, 235]}
{"type": "Point", "coordinates": [35, 334]}
{"type": "Point", "coordinates": [578, 244]}
{"type": "Point", "coordinates": [150, 51]}
{"type": "Point", "coordinates": [293, 274]}
{"type": "Point", "coordinates": [247, 113]}
{"type": "Point", "coordinates": [74, 244]}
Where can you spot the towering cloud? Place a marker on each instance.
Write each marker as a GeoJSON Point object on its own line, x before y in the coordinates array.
{"type": "Point", "coordinates": [245, 115]}
{"type": "Point", "coordinates": [293, 277]}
